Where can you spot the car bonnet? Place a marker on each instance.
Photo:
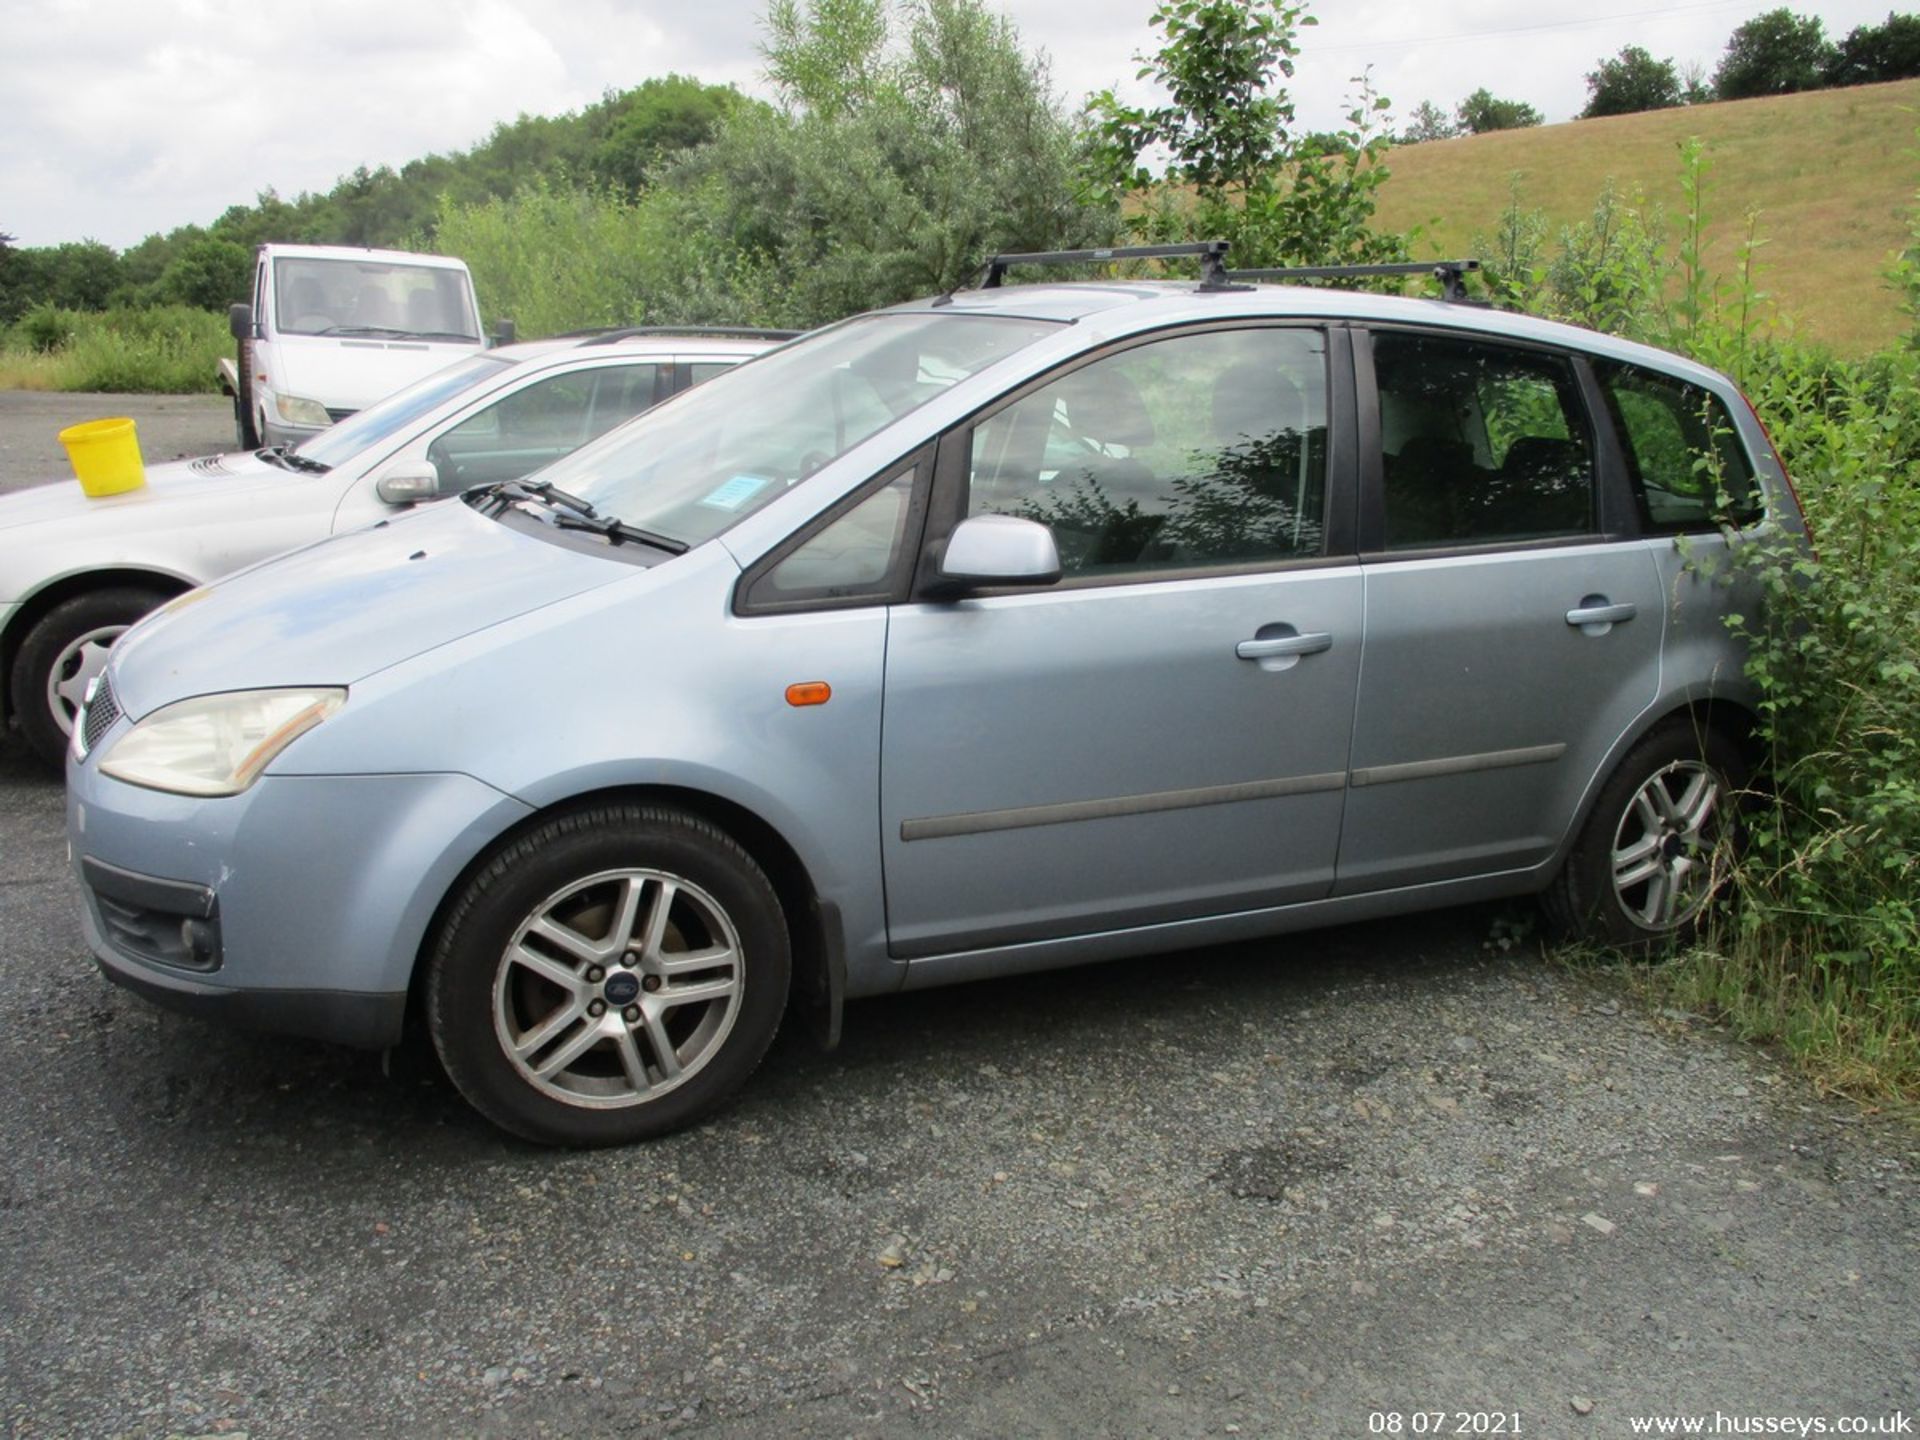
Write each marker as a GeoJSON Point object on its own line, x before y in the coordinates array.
{"type": "Point", "coordinates": [172, 481]}
{"type": "Point", "coordinates": [339, 610]}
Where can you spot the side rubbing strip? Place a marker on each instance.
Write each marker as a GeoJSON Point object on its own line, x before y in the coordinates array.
{"type": "Point", "coordinates": [1457, 765]}
{"type": "Point", "coordinates": [979, 822]}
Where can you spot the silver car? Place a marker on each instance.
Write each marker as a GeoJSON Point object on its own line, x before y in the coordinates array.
{"type": "Point", "coordinates": [75, 572]}
{"type": "Point", "coordinates": [1021, 627]}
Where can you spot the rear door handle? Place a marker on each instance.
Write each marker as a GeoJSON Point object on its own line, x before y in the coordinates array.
{"type": "Point", "coordinates": [1597, 610]}
{"type": "Point", "coordinates": [1311, 644]}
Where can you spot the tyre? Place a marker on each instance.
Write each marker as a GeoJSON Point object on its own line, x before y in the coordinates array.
{"type": "Point", "coordinates": [59, 658]}
{"type": "Point", "coordinates": [246, 432]}
{"type": "Point", "coordinates": [611, 975]}
{"type": "Point", "coordinates": [1659, 844]}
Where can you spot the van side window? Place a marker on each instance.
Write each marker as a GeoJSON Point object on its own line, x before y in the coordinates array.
{"type": "Point", "coordinates": [1689, 469]}
{"type": "Point", "coordinates": [1479, 442]}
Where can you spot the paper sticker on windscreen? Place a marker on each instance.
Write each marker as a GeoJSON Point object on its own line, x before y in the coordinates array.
{"type": "Point", "coordinates": [736, 492]}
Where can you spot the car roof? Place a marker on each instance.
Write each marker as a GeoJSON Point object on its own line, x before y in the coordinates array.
{"type": "Point", "coordinates": [1115, 308]}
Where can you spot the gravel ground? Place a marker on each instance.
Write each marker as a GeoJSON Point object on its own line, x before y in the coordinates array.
{"type": "Point", "coordinates": [1270, 1189]}
{"type": "Point", "coordinates": [170, 427]}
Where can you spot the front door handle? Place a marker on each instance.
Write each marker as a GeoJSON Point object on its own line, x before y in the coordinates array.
{"type": "Point", "coordinates": [1598, 610]}
{"type": "Point", "coordinates": [1279, 645]}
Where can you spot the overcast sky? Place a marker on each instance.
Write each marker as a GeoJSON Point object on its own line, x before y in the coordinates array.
{"type": "Point", "coordinates": [125, 117]}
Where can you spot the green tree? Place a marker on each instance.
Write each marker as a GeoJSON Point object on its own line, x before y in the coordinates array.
{"type": "Point", "coordinates": [208, 273]}
{"type": "Point", "coordinates": [1631, 82]}
{"type": "Point", "coordinates": [827, 57]}
{"type": "Point", "coordinates": [660, 118]}
{"type": "Point", "coordinates": [1276, 196]}
{"type": "Point", "coordinates": [1777, 53]}
{"type": "Point", "coordinates": [1873, 53]}
{"type": "Point", "coordinates": [1482, 112]}
{"type": "Point", "coordinates": [902, 155]}
{"type": "Point", "coordinates": [1428, 122]}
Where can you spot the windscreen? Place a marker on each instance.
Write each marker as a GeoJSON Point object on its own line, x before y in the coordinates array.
{"type": "Point", "coordinates": [363, 429]}
{"type": "Point", "coordinates": [699, 465]}
{"type": "Point", "coordinates": [372, 297]}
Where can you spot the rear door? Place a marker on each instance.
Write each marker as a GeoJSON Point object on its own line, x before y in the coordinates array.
{"type": "Point", "coordinates": [1164, 733]}
{"type": "Point", "coordinates": [1514, 617]}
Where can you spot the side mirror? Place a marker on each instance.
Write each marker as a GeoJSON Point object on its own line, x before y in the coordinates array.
{"type": "Point", "coordinates": [240, 321]}
{"type": "Point", "coordinates": [408, 482]}
{"type": "Point", "coordinates": [998, 550]}
{"type": "Point", "coordinates": [503, 332]}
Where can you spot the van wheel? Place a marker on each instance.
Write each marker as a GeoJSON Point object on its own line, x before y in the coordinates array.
{"type": "Point", "coordinates": [1659, 845]}
{"type": "Point", "coordinates": [609, 976]}
{"type": "Point", "coordinates": [245, 431]}
{"type": "Point", "coordinates": [59, 658]}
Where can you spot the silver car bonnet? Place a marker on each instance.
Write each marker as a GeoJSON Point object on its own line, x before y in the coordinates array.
{"type": "Point", "coordinates": [168, 483]}
{"type": "Point", "coordinates": [344, 608]}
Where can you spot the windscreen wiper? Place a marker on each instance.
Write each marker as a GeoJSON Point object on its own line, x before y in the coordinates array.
{"type": "Point", "coordinates": [570, 512]}
{"type": "Point", "coordinates": [366, 330]}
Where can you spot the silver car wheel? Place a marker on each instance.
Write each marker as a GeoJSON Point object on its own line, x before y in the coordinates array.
{"type": "Point", "coordinates": [1667, 850]}
{"type": "Point", "coordinates": [618, 988]}
{"type": "Point", "coordinates": [73, 670]}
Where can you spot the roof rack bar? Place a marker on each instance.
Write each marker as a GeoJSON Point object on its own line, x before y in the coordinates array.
{"type": "Point", "coordinates": [1211, 253]}
{"type": "Point", "coordinates": [1450, 273]}
{"type": "Point", "coordinates": [628, 332]}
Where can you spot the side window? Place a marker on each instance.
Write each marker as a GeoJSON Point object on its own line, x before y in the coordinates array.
{"type": "Point", "coordinates": [620, 394]}
{"type": "Point", "coordinates": [707, 369]}
{"type": "Point", "coordinates": [854, 557]}
{"type": "Point", "coordinates": [1690, 471]}
{"type": "Point", "coordinates": [1199, 450]}
{"type": "Point", "coordinates": [536, 425]}
{"type": "Point", "coordinates": [1479, 442]}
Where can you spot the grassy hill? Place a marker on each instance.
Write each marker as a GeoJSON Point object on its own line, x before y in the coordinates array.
{"type": "Point", "coordinates": [1833, 174]}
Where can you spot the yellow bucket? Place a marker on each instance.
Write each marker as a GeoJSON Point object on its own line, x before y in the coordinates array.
{"type": "Point", "coordinates": [105, 455]}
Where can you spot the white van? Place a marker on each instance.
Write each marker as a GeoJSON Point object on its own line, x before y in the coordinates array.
{"type": "Point", "coordinates": [332, 328]}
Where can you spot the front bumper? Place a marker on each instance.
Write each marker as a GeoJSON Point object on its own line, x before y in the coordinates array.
{"type": "Point", "coordinates": [312, 895]}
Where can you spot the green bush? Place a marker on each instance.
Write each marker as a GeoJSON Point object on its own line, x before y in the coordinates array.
{"type": "Point", "coordinates": [1823, 948]}
{"type": "Point", "coordinates": [168, 349]}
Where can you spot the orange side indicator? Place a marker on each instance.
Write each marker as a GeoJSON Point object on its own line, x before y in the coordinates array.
{"type": "Point", "coordinates": [809, 692]}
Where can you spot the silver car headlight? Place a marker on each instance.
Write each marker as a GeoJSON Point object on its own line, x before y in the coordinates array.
{"type": "Point", "coordinates": [298, 410]}
{"type": "Point", "coordinates": [216, 744]}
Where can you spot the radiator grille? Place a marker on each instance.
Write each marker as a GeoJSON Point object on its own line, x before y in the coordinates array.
{"type": "Point", "coordinates": [98, 715]}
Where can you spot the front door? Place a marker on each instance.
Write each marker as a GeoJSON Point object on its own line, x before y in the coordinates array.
{"type": "Point", "coordinates": [1164, 734]}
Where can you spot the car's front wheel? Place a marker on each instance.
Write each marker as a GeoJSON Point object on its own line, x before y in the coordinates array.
{"type": "Point", "coordinates": [1659, 845]}
{"type": "Point", "coordinates": [610, 975]}
{"type": "Point", "coordinates": [59, 657]}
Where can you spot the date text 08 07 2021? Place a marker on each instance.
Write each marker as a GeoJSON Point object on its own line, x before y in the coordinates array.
{"type": "Point", "coordinates": [1443, 1422]}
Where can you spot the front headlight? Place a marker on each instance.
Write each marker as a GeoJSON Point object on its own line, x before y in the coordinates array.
{"type": "Point", "coordinates": [216, 744]}
{"type": "Point", "coordinates": [298, 410]}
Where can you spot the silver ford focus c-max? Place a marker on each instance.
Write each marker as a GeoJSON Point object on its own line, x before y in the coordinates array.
{"type": "Point", "coordinates": [1016, 628]}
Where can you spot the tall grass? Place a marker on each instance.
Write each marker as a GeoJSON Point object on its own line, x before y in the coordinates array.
{"type": "Point", "coordinates": [165, 350]}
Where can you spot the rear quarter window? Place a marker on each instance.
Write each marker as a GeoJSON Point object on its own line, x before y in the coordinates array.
{"type": "Point", "coordinates": [1690, 470]}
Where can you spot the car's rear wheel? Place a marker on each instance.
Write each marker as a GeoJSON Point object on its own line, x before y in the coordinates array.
{"type": "Point", "coordinates": [1659, 845]}
{"type": "Point", "coordinates": [59, 657]}
{"type": "Point", "coordinates": [613, 974]}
